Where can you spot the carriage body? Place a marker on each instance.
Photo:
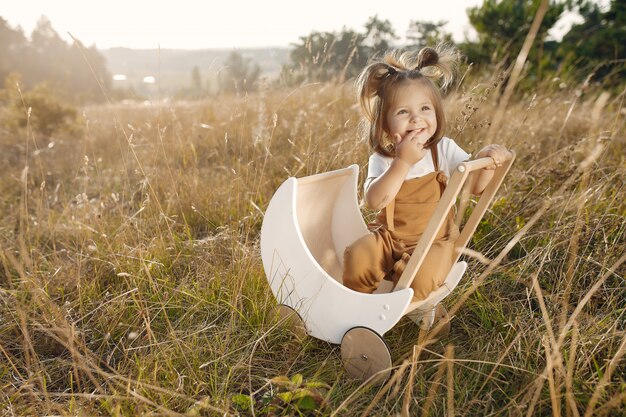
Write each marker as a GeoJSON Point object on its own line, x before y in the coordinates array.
{"type": "Point", "coordinates": [307, 226]}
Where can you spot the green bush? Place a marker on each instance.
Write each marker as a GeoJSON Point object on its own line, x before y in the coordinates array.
{"type": "Point", "coordinates": [42, 108]}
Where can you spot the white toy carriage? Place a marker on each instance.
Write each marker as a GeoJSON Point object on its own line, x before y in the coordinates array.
{"type": "Point", "coordinates": [308, 224]}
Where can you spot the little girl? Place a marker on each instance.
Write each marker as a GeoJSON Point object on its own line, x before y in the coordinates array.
{"type": "Point", "coordinates": [408, 169]}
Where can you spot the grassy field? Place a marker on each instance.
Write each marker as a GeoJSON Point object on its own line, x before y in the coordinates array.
{"type": "Point", "coordinates": [131, 280]}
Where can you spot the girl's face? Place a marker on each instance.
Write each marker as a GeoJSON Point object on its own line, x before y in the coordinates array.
{"type": "Point", "coordinates": [411, 108]}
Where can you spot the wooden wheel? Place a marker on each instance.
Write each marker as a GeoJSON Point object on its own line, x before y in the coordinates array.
{"type": "Point", "coordinates": [290, 318]}
{"type": "Point", "coordinates": [365, 355]}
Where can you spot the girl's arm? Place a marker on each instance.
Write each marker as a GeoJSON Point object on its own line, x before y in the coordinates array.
{"type": "Point", "coordinates": [480, 179]}
{"type": "Point", "coordinates": [382, 190]}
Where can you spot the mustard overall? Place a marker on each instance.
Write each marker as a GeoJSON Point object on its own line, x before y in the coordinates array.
{"type": "Point", "coordinates": [384, 253]}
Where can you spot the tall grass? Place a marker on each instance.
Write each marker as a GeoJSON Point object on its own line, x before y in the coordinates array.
{"type": "Point", "coordinates": [131, 281]}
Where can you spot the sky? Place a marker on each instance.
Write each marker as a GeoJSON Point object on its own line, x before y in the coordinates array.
{"type": "Point", "coordinates": [187, 24]}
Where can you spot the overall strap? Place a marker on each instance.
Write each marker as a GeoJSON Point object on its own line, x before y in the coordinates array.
{"type": "Point", "coordinates": [435, 155]}
{"type": "Point", "coordinates": [442, 179]}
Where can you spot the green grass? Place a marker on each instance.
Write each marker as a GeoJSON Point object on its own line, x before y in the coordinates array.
{"type": "Point", "coordinates": [131, 281]}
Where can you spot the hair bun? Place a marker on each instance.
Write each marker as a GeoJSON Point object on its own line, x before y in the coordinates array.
{"type": "Point", "coordinates": [427, 57]}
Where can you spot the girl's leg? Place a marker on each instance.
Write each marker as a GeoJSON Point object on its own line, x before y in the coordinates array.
{"type": "Point", "coordinates": [366, 262]}
{"type": "Point", "coordinates": [433, 271]}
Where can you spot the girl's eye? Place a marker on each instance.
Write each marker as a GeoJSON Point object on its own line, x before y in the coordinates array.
{"type": "Point", "coordinates": [402, 111]}
{"type": "Point", "coordinates": [425, 108]}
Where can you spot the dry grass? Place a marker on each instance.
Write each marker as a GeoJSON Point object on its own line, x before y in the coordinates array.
{"type": "Point", "coordinates": [131, 280]}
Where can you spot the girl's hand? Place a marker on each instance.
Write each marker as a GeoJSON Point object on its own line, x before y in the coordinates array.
{"type": "Point", "coordinates": [498, 153]}
{"type": "Point", "coordinates": [410, 148]}
{"type": "Point", "coordinates": [480, 179]}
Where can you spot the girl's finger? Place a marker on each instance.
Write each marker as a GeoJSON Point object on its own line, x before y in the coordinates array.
{"type": "Point", "coordinates": [412, 135]}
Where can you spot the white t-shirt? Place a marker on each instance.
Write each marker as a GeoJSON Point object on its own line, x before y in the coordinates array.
{"type": "Point", "coordinates": [450, 156]}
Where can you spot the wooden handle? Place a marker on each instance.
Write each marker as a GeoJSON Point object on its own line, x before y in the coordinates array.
{"type": "Point", "coordinates": [458, 179]}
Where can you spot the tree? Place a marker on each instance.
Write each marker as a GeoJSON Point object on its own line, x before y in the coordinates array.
{"type": "Point", "coordinates": [88, 73]}
{"type": "Point", "coordinates": [598, 43]}
{"type": "Point", "coordinates": [502, 26]}
{"type": "Point", "coordinates": [75, 69]}
{"type": "Point", "coordinates": [12, 46]}
{"type": "Point", "coordinates": [324, 56]}
{"type": "Point", "coordinates": [424, 33]}
{"type": "Point", "coordinates": [379, 35]}
{"type": "Point", "coordinates": [238, 74]}
{"type": "Point", "coordinates": [46, 43]}
{"type": "Point", "coordinates": [196, 79]}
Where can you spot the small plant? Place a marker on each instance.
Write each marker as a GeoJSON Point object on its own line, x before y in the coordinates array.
{"type": "Point", "coordinates": [285, 397]}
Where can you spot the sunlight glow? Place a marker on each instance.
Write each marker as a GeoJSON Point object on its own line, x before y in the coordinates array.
{"type": "Point", "coordinates": [245, 23]}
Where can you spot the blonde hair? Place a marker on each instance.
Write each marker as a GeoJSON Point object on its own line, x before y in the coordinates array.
{"type": "Point", "coordinates": [378, 82]}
